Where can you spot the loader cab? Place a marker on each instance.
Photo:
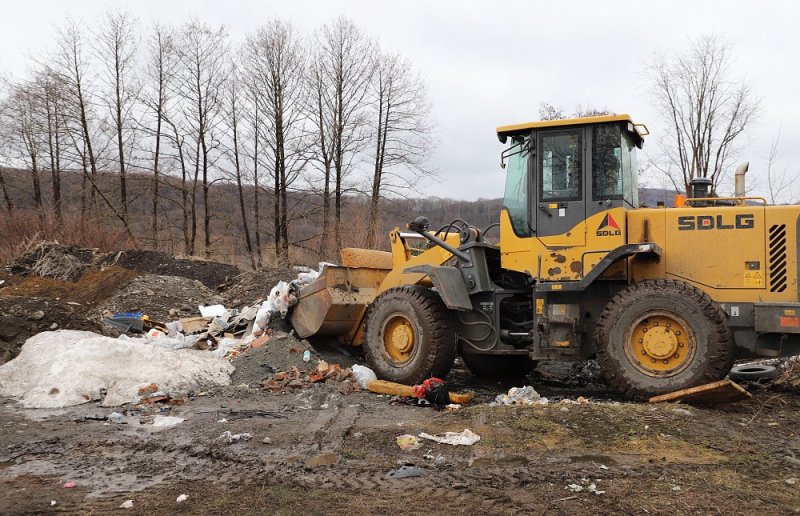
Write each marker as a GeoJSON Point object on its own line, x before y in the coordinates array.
{"type": "Point", "coordinates": [560, 175]}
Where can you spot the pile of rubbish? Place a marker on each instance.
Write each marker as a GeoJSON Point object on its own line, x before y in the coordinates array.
{"type": "Point", "coordinates": [226, 332]}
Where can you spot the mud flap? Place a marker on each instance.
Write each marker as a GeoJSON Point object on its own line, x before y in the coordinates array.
{"type": "Point", "coordinates": [449, 285]}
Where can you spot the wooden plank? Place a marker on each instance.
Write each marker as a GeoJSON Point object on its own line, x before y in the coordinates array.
{"type": "Point", "coordinates": [194, 324]}
{"type": "Point", "coordinates": [398, 389]}
{"type": "Point", "coordinates": [723, 391]}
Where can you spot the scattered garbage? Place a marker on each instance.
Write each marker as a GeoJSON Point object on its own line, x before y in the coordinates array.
{"type": "Point", "coordinates": [306, 356]}
{"type": "Point", "coordinates": [791, 481]}
{"type": "Point", "coordinates": [116, 417]}
{"type": "Point", "coordinates": [231, 438]}
{"type": "Point", "coordinates": [406, 472]}
{"type": "Point", "coordinates": [167, 421]}
{"type": "Point", "coordinates": [575, 488]}
{"type": "Point", "coordinates": [526, 395]}
{"type": "Point", "coordinates": [464, 438]}
{"type": "Point", "coordinates": [723, 391]}
{"type": "Point", "coordinates": [411, 391]}
{"type": "Point", "coordinates": [69, 367]}
{"type": "Point", "coordinates": [70, 485]}
{"type": "Point", "coordinates": [324, 372]}
{"type": "Point", "coordinates": [363, 375]}
{"type": "Point", "coordinates": [753, 372]}
{"type": "Point", "coordinates": [212, 311]}
{"type": "Point", "coordinates": [127, 504]}
{"type": "Point", "coordinates": [182, 498]}
{"type": "Point", "coordinates": [432, 390]}
{"type": "Point", "coordinates": [408, 442]}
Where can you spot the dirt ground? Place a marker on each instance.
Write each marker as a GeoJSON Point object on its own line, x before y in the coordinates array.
{"type": "Point", "coordinates": [322, 448]}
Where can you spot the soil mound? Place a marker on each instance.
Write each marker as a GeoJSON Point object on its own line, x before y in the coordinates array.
{"type": "Point", "coordinates": [93, 286]}
{"type": "Point", "coordinates": [213, 275]}
{"type": "Point", "coordinates": [157, 295]}
{"type": "Point", "coordinates": [249, 287]}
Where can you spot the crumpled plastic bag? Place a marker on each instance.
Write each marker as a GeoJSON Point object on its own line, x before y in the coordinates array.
{"type": "Point", "coordinates": [363, 375]}
{"type": "Point", "coordinates": [465, 438]}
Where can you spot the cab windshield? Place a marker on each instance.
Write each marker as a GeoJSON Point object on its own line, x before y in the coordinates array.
{"type": "Point", "coordinates": [515, 200]}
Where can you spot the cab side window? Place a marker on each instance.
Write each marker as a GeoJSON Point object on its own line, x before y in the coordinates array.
{"type": "Point", "coordinates": [607, 175]}
{"type": "Point", "coordinates": [560, 164]}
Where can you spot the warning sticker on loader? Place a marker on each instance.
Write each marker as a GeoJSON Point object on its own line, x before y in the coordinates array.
{"type": "Point", "coordinates": [753, 279]}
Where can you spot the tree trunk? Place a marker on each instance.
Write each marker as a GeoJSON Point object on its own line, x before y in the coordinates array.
{"type": "Point", "coordinates": [256, 194]}
{"type": "Point", "coordinates": [154, 228]}
{"type": "Point", "coordinates": [6, 197]}
{"type": "Point", "coordinates": [247, 242]}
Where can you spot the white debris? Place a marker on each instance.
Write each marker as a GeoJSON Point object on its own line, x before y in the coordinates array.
{"type": "Point", "coordinates": [465, 438]}
{"type": "Point", "coordinates": [212, 310]}
{"type": "Point", "coordinates": [182, 498]}
{"type": "Point", "coordinates": [575, 488]}
{"type": "Point", "coordinates": [520, 396]}
{"type": "Point", "coordinates": [167, 421]}
{"type": "Point", "coordinates": [593, 489]}
{"type": "Point", "coordinates": [127, 504]}
{"type": "Point", "coordinates": [676, 488]}
{"type": "Point", "coordinates": [603, 466]}
{"type": "Point", "coordinates": [284, 296]}
{"type": "Point", "coordinates": [232, 438]}
{"type": "Point", "coordinates": [66, 367]}
{"type": "Point", "coordinates": [791, 481]}
{"type": "Point", "coordinates": [363, 375]}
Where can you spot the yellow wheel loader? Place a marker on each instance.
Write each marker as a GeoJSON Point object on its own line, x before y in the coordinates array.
{"type": "Point", "coordinates": [664, 298]}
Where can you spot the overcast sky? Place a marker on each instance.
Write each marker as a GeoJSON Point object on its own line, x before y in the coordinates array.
{"type": "Point", "coordinates": [493, 63]}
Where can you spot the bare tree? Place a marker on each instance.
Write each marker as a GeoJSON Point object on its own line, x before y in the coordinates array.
{"type": "Point", "coordinates": [71, 68]}
{"type": "Point", "coordinates": [6, 197]}
{"type": "Point", "coordinates": [115, 46]}
{"type": "Point", "coordinates": [340, 73]}
{"type": "Point", "coordinates": [233, 112]}
{"type": "Point", "coordinates": [275, 62]}
{"type": "Point", "coordinates": [401, 133]}
{"type": "Point", "coordinates": [52, 97]}
{"type": "Point", "coordinates": [202, 51]}
{"type": "Point", "coordinates": [22, 122]}
{"type": "Point", "coordinates": [780, 183]}
{"type": "Point", "coordinates": [160, 70]}
{"type": "Point", "coordinates": [706, 110]}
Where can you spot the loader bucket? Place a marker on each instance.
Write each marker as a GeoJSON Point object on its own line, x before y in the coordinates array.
{"type": "Point", "coordinates": [334, 304]}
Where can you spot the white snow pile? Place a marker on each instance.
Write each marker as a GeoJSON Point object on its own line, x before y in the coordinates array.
{"type": "Point", "coordinates": [68, 367]}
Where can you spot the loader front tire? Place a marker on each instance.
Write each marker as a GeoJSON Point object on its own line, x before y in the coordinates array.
{"type": "Point", "coordinates": [659, 336]}
{"type": "Point", "coordinates": [408, 336]}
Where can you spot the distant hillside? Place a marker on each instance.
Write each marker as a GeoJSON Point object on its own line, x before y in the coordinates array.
{"type": "Point", "coordinates": [227, 228]}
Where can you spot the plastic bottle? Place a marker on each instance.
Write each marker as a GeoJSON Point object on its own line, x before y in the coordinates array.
{"type": "Point", "coordinates": [306, 356]}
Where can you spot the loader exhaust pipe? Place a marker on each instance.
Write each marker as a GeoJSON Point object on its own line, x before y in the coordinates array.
{"type": "Point", "coordinates": [738, 187]}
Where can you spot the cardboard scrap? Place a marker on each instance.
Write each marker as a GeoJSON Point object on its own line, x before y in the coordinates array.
{"type": "Point", "coordinates": [723, 391]}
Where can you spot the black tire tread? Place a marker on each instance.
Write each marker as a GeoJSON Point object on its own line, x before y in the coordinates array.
{"type": "Point", "coordinates": [439, 362]}
{"type": "Point", "coordinates": [720, 359]}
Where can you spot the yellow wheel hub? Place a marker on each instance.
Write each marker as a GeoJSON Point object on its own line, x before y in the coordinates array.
{"type": "Point", "coordinates": [660, 344]}
{"type": "Point", "coordinates": [398, 338]}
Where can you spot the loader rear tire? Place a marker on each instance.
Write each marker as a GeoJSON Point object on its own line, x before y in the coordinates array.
{"type": "Point", "coordinates": [659, 336]}
{"type": "Point", "coordinates": [408, 336]}
{"type": "Point", "coordinates": [498, 366]}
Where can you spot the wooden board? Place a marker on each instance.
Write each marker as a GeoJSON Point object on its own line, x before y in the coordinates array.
{"type": "Point", "coordinates": [398, 389]}
{"type": "Point", "coordinates": [195, 324]}
{"type": "Point", "coordinates": [723, 391]}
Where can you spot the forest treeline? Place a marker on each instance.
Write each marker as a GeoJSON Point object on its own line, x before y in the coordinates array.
{"type": "Point", "coordinates": [180, 139]}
